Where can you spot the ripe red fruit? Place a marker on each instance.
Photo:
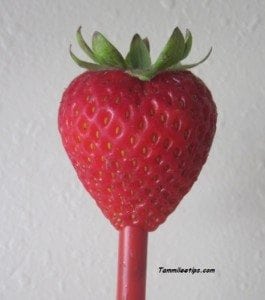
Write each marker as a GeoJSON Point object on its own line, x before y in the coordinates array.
{"type": "Point", "coordinates": [137, 144]}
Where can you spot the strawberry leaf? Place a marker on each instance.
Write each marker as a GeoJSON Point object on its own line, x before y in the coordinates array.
{"type": "Point", "coordinates": [106, 53]}
{"type": "Point", "coordinates": [147, 44]}
{"type": "Point", "coordinates": [172, 52]}
{"type": "Point", "coordinates": [83, 45]}
{"type": "Point", "coordinates": [84, 64]}
{"type": "Point", "coordinates": [189, 66]}
{"type": "Point", "coordinates": [138, 61]}
{"type": "Point", "coordinates": [138, 56]}
{"type": "Point", "coordinates": [188, 44]}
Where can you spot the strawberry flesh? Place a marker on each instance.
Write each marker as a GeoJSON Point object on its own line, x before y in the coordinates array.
{"type": "Point", "coordinates": [137, 146]}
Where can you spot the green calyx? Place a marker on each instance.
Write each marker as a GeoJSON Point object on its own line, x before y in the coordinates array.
{"type": "Point", "coordinates": [137, 62]}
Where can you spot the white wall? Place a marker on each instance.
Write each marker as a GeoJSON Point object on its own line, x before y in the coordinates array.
{"type": "Point", "coordinates": [54, 242]}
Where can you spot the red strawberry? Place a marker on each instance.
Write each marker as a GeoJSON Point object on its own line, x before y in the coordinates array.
{"type": "Point", "coordinates": [137, 134]}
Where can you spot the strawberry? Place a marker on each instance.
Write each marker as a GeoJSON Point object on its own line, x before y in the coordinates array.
{"type": "Point", "coordinates": [137, 133]}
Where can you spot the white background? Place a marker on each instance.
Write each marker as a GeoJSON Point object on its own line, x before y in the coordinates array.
{"type": "Point", "coordinates": [54, 241]}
